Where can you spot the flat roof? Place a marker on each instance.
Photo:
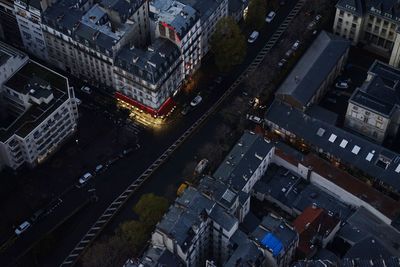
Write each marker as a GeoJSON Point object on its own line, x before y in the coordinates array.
{"type": "Point", "coordinates": [29, 74]}
{"type": "Point", "coordinates": [380, 94]}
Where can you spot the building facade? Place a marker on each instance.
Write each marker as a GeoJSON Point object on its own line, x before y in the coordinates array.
{"type": "Point", "coordinates": [180, 23]}
{"type": "Point", "coordinates": [374, 108]}
{"type": "Point", "coordinates": [9, 24]}
{"type": "Point", "coordinates": [29, 18]}
{"type": "Point", "coordinates": [84, 38]}
{"type": "Point", "coordinates": [372, 23]}
{"type": "Point", "coordinates": [148, 78]}
{"type": "Point", "coordinates": [39, 111]}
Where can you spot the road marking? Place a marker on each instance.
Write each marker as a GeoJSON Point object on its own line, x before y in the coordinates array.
{"type": "Point", "coordinates": [110, 212]}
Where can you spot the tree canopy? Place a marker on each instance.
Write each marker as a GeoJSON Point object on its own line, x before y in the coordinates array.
{"type": "Point", "coordinates": [130, 237]}
{"type": "Point", "coordinates": [256, 14]}
{"type": "Point", "coordinates": [228, 44]}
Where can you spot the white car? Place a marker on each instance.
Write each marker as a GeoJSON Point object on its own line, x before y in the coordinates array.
{"type": "Point", "coordinates": [86, 177]}
{"type": "Point", "coordinates": [86, 89]}
{"type": "Point", "coordinates": [22, 228]}
{"type": "Point", "coordinates": [296, 45]}
{"type": "Point", "coordinates": [318, 18]}
{"type": "Point", "coordinates": [99, 168]}
{"type": "Point", "coordinates": [78, 101]}
{"type": "Point", "coordinates": [253, 118]}
{"type": "Point", "coordinates": [196, 101]}
{"type": "Point", "coordinates": [253, 37]}
{"type": "Point", "coordinates": [342, 85]}
{"type": "Point", "coordinates": [270, 16]}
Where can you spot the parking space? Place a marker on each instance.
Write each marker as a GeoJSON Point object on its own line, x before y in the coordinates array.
{"type": "Point", "coordinates": [353, 76]}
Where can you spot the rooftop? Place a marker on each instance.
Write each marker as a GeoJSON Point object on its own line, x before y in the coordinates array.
{"type": "Point", "coordinates": [312, 69]}
{"type": "Point", "coordinates": [312, 225]}
{"type": "Point", "coordinates": [152, 64]}
{"type": "Point", "coordinates": [181, 17]}
{"type": "Point", "coordinates": [37, 81]}
{"type": "Point", "coordinates": [243, 160]}
{"type": "Point", "coordinates": [381, 93]}
{"type": "Point", "coordinates": [92, 26]}
{"type": "Point", "coordinates": [155, 257]}
{"type": "Point", "coordinates": [274, 234]}
{"type": "Point", "coordinates": [368, 234]}
{"type": "Point", "coordinates": [294, 192]}
{"type": "Point", "coordinates": [388, 9]}
{"type": "Point", "coordinates": [387, 262]}
{"type": "Point", "coordinates": [245, 252]}
{"type": "Point", "coordinates": [218, 192]}
{"type": "Point", "coordinates": [374, 160]}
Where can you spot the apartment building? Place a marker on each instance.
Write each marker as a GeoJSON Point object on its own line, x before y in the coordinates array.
{"type": "Point", "coordinates": [277, 239]}
{"type": "Point", "coordinates": [180, 23]}
{"type": "Point", "coordinates": [38, 113]}
{"type": "Point", "coordinates": [11, 60]}
{"type": "Point", "coordinates": [373, 23]}
{"type": "Point", "coordinates": [9, 24]}
{"type": "Point", "coordinates": [147, 79]}
{"type": "Point", "coordinates": [369, 160]}
{"type": "Point", "coordinates": [374, 108]}
{"type": "Point", "coordinates": [312, 76]}
{"type": "Point", "coordinates": [210, 11]}
{"type": "Point", "coordinates": [29, 18]}
{"type": "Point", "coordinates": [84, 38]}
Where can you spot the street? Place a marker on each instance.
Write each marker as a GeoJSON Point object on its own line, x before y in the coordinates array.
{"type": "Point", "coordinates": [117, 177]}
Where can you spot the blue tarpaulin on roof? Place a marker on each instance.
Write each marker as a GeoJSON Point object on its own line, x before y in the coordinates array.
{"type": "Point", "coordinates": [272, 242]}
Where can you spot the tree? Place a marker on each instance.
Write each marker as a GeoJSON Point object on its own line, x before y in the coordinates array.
{"type": "Point", "coordinates": [150, 209]}
{"type": "Point", "coordinates": [256, 13]}
{"type": "Point", "coordinates": [228, 44]}
{"type": "Point", "coordinates": [135, 233]}
{"type": "Point", "coordinates": [112, 252]}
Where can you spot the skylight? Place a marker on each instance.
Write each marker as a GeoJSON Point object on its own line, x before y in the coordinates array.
{"type": "Point", "coordinates": [332, 138]}
{"type": "Point", "coordinates": [355, 150]}
{"type": "Point", "coordinates": [344, 143]}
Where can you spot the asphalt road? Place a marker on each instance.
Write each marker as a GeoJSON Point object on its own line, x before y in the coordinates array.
{"type": "Point", "coordinates": [112, 182]}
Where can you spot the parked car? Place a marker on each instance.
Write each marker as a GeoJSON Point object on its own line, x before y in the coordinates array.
{"type": "Point", "coordinates": [127, 151]}
{"type": "Point", "coordinates": [311, 25]}
{"type": "Point", "coordinates": [342, 85]}
{"type": "Point", "coordinates": [218, 80]}
{"type": "Point", "coordinates": [253, 37]}
{"type": "Point", "coordinates": [22, 227]}
{"type": "Point", "coordinates": [282, 63]}
{"type": "Point", "coordinates": [289, 53]}
{"type": "Point", "coordinates": [270, 16]}
{"type": "Point", "coordinates": [296, 45]}
{"type": "Point", "coordinates": [78, 101]}
{"type": "Point", "coordinates": [37, 215]}
{"type": "Point", "coordinates": [196, 101]}
{"type": "Point", "coordinates": [86, 89]}
{"type": "Point", "coordinates": [317, 18]}
{"type": "Point", "coordinates": [254, 118]}
{"type": "Point", "coordinates": [99, 168]}
{"type": "Point", "coordinates": [185, 109]}
{"type": "Point", "coordinates": [86, 177]}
